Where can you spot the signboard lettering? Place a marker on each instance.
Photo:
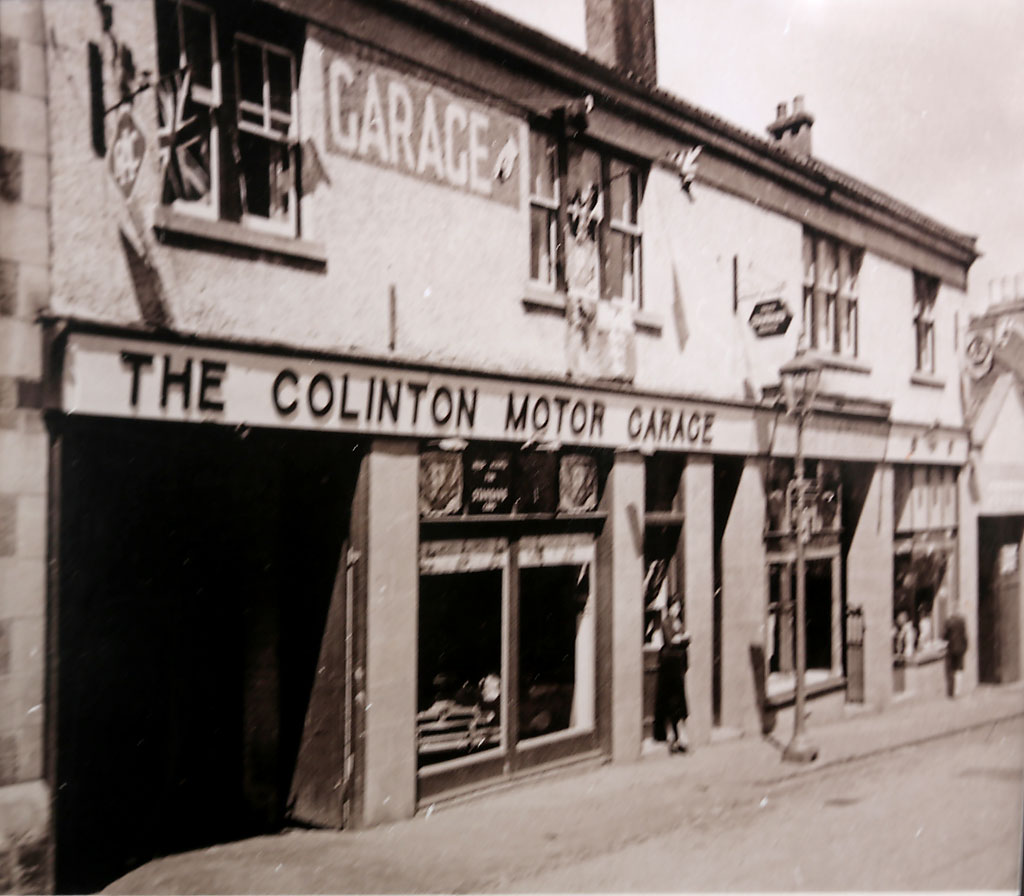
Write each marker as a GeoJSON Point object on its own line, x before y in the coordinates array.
{"type": "Point", "coordinates": [770, 318]}
{"type": "Point", "coordinates": [399, 122]}
{"type": "Point", "coordinates": [135, 378]}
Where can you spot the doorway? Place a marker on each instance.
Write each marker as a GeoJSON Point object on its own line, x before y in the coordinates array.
{"type": "Point", "coordinates": [1000, 598]}
{"type": "Point", "coordinates": [197, 571]}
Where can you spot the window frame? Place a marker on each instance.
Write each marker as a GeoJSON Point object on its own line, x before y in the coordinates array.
{"type": "Point", "coordinates": [831, 299]}
{"type": "Point", "coordinates": [926, 290]}
{"type": "Point", "coordinates": [549, 206]}
{"type": "Point", "coordinates": [556, 209]}
{"type": "Point", "coordinates": [232, 121]}
{"type": "Point", "coordinates": [288, 225]}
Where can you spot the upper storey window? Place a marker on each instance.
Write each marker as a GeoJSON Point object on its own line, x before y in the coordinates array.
{"type": "Point", "coordinates": [585, 236]}
{"type": "Point", "coordinates": [228, 117]}
{"type": "Point", "coordinates": [831, 295]}
{"type": "Point", "coordinates": [926, 289]}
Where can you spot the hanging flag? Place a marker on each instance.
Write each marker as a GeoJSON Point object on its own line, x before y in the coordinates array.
{"type": "Point", "coordinates": [183, 139]}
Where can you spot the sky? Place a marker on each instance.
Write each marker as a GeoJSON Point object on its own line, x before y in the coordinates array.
{"type": "Point", "coordinates": [923, 99]}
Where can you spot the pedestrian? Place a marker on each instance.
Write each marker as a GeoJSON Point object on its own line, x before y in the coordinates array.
{"type": "Point", "coordinates": [670, 710]}
{"type": "Point", "coordinates": [955, 634]}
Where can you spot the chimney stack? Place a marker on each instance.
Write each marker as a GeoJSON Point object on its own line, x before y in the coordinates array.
{"type": "Point", "coordinates": [620, 33]}
{"type": "Point", "coordinates": [792, 130]}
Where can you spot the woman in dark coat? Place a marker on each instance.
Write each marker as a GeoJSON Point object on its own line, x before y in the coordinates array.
{"type": "Point", "coordinates": [670, 710]}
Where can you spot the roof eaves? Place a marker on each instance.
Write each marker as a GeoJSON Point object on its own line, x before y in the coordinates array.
{"type": "Point", "coordinates": [574, 68]}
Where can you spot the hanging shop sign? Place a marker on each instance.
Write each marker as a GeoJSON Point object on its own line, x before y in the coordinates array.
{"type": "Point", "coordinates": [128, 377]}
{"type": "Point", "coordinates": [770, 318]}
{"type": "Point", "coordinates": [388, 118]}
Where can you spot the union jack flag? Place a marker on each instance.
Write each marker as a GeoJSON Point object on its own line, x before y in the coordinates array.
{"type": "Point", "coordinates": [183, 139]}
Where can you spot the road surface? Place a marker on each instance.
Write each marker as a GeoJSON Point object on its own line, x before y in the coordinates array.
{"type": "Point", "coordinates": [942, 815]}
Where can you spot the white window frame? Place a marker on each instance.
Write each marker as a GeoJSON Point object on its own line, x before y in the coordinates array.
{"type": "Point", "coordinates": [212, 99]}
{"type": "Point", "coordinates": [631, 232]}
{"type": "Point", "coordinates": [925, 297]}
{"type": "Point", "coordinates": [289, 140]}
{"type": "Point", "coordinates": [548, 206]}
{"type": "Point", "coordinates": [553, 207]}
{"type": "Point", "coordinates": [831, 302]}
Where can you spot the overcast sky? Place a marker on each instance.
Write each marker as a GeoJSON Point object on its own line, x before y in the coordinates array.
{"type": "Point", "coordinates": [923, 99]}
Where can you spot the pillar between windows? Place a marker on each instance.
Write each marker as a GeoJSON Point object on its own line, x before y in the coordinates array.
{"type": "Point", "coordinates": [386, 535]}
{"type": "Point", "coordinates": [620, 562]}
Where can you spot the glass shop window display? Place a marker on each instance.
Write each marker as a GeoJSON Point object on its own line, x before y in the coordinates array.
{"type": "Point", "coordinates": [506, 621]}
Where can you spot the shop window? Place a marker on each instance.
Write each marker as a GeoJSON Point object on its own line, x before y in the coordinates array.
{"type": "Point", "coordinates": [597, 197]}
{"type": "Point", "coordinates": [821, 620]}
{"type": "Point", "coordinates": [926, 289]}
{"type": "Point", "coordinates": [830, 295]}
{"type": "Point", "coordinates": [922, 574]}
{"type": "Point", "coordinates": [556, 651]}
{"type": "Point", "coordinates": [479, 670]}
{"type": "Point", "coordinates": [664, 518]}
{"type": "Point", "coordinates": [460, 665]}
{"type": "Point", "coordinates": [228, 120]}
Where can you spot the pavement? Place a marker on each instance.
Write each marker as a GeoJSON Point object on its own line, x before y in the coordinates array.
{"type": "Point", "coordinates": [488, 841]}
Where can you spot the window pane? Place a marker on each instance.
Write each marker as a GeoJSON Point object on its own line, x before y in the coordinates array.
{"type": "Point", "coordinates": [459, 693]}
{"type": "Point", "coordinates": [187, 154]}
{"type": "Point", "coordinates": [831, 330]}
{"type": "Point", "coordinates": [818, 616]}
{"type": "Point", "coordinates": [810, 332]}
{"type": "Point", "coordinates": [622, 188]}
{"type": "Point", "coordinates": [556, 650]}
{"type": "Point", "coordinates": [615, 270]}
{"type": "Point", "coordinates": [621, 268]}
{"type": "Point", "coordinates": [250, 72]}
{"type": "Point", "coordinates": [542, 224]}
{"type": "Point", "coordinates": [850, 328]}
{"type": "Point", "coordinates": [279, 70]}
{"type": "Point", "coordinates": [828, 265]}
{"type": "Point", "coordinates": [809, 260]}
{"type": "Point", "coordinates": [266, 176]}
{"type": "Point", "coordinates": [543, 165]}
{"type": "Point", "coordinates": [197, 41]}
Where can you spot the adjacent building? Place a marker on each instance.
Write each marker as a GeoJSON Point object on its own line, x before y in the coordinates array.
{"type": "Point", "coordinates": [371, 376]}
{"type": "Point", "coordinates": [994, 395]}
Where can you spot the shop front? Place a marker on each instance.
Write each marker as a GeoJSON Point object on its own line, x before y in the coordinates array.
{"type": "Point", "coordinates": [509, 611]}
{"type": "Point", "coordinates": [925, 571]}
{"type": "Point", "coordinates": [326, 590]}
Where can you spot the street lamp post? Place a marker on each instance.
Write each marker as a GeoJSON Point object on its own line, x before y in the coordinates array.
{"type": "Point", "coordinates": [800, 383]}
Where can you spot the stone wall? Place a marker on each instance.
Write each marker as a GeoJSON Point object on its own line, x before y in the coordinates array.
{"type": "Point", "coordinates": [24, 289]}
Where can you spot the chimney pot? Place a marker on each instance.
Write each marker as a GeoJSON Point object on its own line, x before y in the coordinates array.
{"type": "Point", "coordinates": [792, 129]}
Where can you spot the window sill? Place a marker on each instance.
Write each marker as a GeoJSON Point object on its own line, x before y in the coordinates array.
{"type": "Point", "coordinates": [232, 234]}
{"type": "Point", "coordinates": [783, 693]}
{"type": "Point", "coordinates": [540, 299]}
{"type": "Point", "coordinates": [930, 653]}
{"type": "Point", "coordinates": [927, 379]}
{"type": "Point", "coordinates": [536, 298]}
{"type": "Point", "coordinates": [841, 362]}
{"type": "Point", "coordinates": [648, 322]}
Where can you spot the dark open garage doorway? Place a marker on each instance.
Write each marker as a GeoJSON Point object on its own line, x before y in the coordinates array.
{"type": "Point", "coordinates": [199, 568]}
